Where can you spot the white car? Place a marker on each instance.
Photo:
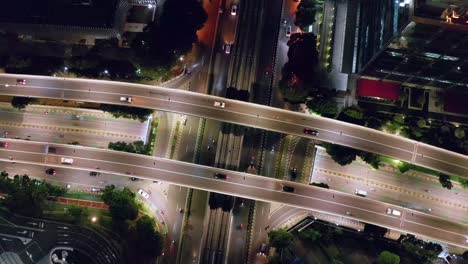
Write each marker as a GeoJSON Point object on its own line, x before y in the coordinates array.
{"type": "Point", "coordinates": [360, 193]}
{"type": "Point", "coordinates": [219, 104]}
{"type": "Point", "coordinates": [68, 161]}
{"type": "Point", "coordinates": [394, 212]}
{"type": "Point", "coordinates": [234, 10]}
{"type": "Point", "coordinates": [227, 48]}
{"type": "Point", "coordinates": [143, 193]}
{"type": "Point", "coordinates": [126, 99]}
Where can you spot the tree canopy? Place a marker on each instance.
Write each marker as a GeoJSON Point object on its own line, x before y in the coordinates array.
{"type": "Point", "coordinates": [305, 14]}
{"type": "Point", "coordinates": [444, 179]}
{"type": "Point", "coordinates": [122, 204]}
{"type": "Point", "coordinates": [387, 257]}
{"type": "Point", "coordinates": [340, 154]}
{"type": "Point", "coordinates": [280, 238]}
{"type": "Point", "coordinates": [22, 102]}
{"type": "Point", "coordinates": [299, 77]}
{"type": "Point", "coordinates": [150, 241]}
{"type": "Point", "coordinates": [162, 43]}
{"type": "Point", "coordinates": [27, 196]}
{"type": "Point", "coordinates": [138, 147]}
{"type": "Point", "coordinates": [136, 113]}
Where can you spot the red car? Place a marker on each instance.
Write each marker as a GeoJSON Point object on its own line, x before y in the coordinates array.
{"type": "Point", "coordinates": [311, 132]}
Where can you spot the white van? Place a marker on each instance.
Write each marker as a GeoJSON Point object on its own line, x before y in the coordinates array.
{"type": "Point", "coordinates": [394, 212]}
{"type": "Point", "coordinates": [219, 104]}
{"type": "Point", "coordinates": [360, 192]}
{"type": "Point", "coordinates": [68, 161]}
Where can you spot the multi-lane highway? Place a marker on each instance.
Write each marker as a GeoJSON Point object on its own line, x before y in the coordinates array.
{"type": "Point", "coordinates": [238, 112]}
{"type": "Point", "coordinates": [239, 184]}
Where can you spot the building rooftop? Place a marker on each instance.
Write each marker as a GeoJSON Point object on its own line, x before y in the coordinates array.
{"type": "Point", "coordinates": [83, 13]}
{"type": "Point", "coordinates": [425, 56]}
{"type": "Point", "coordinates": [378, 89]}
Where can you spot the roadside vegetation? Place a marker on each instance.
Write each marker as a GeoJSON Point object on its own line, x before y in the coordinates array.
{"type": "Point", "coordinates": [143, 243]}
{"type": "Point", "coordinates": [130, 112]}
{"type": "Point", "coordinates": [325, 243]}
{"type": "Point", "coordinates": [27, 196]}
{"type": "Point", "coordinates": [138, 147]}
{"type": "Point", "coordinates": [305, 14]}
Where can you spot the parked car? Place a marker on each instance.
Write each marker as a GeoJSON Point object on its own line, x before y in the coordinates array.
{"type": "Point", "coordinates": [21, 81]}
{"type": "Point", "coordinates": [94, 189]}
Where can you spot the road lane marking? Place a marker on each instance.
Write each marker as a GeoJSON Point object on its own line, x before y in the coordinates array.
{"type": "Point", "coordinates": [390, 187]}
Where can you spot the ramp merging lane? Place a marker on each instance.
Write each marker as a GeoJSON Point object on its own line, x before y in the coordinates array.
{"type": "Point", "coordinates": [238, 184]}
{"type": "Point", "coordinates": [238, 112]}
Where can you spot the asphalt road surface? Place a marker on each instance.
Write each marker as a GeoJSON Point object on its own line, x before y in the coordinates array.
{"type": "Point", "coordinates": [238, 112]}
{"type": "Point", "coordinates": [238, 184]}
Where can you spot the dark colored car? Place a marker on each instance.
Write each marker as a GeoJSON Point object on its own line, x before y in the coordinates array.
{"type": "Point", "coordinates": [133, 179]}
{"type": "Point", "coordinates": [52, 150]}
{"type": "Point", "coordinates": [288, 189]}
{"type": "Point", "coordinates": [221, 176]}
{"type": "Point", "coordinates": [51, 171]}
{"type": "Point", "coordinates": [21, 81]}
{"type": "Point", "coordinates": [94, 173]}
{"type": "Point", "coordinates": [263, 250]}
{"type": "Point", "coordinates": [4, 144]}
{"type": "Point", "coordinates": [294, 173]}
{"type": "Point", "coordinates": [312, 132]}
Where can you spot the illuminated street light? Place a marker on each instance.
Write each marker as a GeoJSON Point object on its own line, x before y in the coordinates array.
{"type": "Point", "coordinates": [150, 6]}
{"type": "Point", "coordinates": [94, 219]}
{"type": "Point", "coordinates": [181, 58]}
{"type": "Point", "coordinates": [106, 71]}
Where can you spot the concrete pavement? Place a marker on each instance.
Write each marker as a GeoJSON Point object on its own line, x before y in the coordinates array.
{"type": "Point", "coordinates": [240, 184]}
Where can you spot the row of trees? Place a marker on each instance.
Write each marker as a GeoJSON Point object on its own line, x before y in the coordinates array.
{"type": "Point", "coordinates": [21, 102]}
{"type": "Point", "coordinates": [329, 238]}
{"type": "Point", "coordinates": [135, 113]}
{"type": "Point", "coordinates": [171, 36]}
{"type": "Point", "coordinates": [345, 155]}
{"type": "Point", "coordinates": [27, 196]}
{"type": "Point", "coordinates": [302, 77]}
{"type": "Point", "coordinates": [305, 14]}
{"type": "Point", "coordinates": [117, 111]}
{"type": "Point", "coordinates": [138, 147]}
